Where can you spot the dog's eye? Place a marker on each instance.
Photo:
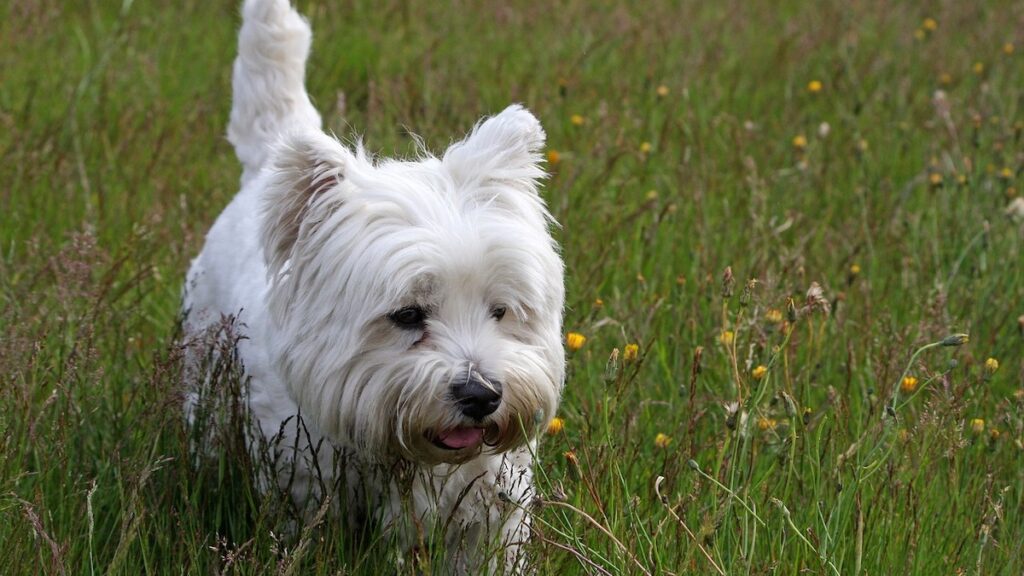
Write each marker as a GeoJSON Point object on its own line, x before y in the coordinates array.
{"type": "Point", "coordinates": [498, 312]}
{"type": "Point", "coordinates": [409, 317]}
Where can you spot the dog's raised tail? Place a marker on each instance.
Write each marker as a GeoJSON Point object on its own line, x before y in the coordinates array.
{"type": "Point", "coordinates": [268, 83]}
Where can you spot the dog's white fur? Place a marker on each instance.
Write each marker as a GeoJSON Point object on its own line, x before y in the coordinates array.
{"type": "Point", "coordinates": [323, 243]}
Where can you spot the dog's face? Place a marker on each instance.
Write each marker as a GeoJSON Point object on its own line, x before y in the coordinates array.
{"type": "Point", "coordinates": [417, 305]}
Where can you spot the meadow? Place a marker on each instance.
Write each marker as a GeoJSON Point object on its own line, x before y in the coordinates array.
{"type": "Point", "coordinates": [793, 239]}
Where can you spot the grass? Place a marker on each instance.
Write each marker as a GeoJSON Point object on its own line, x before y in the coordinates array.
{"type": "Point", "coordinates": [699, 147]}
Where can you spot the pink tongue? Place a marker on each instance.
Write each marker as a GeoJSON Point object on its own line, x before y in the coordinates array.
{"type": "Point", "coordinates": [461, 437]}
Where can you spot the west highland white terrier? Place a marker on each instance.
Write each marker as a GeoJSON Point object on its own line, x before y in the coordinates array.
{"type": "Point", "coordinates": [400, 321]}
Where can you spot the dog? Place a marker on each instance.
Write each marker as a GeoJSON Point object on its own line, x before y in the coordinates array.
{"type": "Point", "coordinates": [401, 316]}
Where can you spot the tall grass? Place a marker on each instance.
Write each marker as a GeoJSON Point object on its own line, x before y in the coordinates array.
{"type": "Point", "coordinates": [781, 254]}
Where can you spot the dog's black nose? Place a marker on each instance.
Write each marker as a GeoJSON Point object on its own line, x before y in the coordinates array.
{"type": "Point", "coordinates": [476, 395]}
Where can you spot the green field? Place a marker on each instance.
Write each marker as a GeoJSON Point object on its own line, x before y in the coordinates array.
{"type": "Point", "coordinates": [873, 148]}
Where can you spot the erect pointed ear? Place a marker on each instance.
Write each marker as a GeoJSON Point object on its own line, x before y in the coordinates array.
{"type": "Point", "coordinates": [307, 169]}
{"type": "Point", "coordinates": [505, 148]}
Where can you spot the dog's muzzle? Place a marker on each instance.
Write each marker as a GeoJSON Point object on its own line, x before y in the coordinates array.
{"type": "Point", "coordinates": [476, 395]}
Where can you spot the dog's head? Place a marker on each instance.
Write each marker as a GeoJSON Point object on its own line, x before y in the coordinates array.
{"type": "Point", "coordinates": [417, 305]}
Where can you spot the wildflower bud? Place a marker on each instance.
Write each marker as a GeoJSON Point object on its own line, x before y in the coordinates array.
{"type": "Point", "coordinates": [748, 292]}
{"type": "Point", "coordinates": [611, 368]}
{"type": "Point", "coordinates": [991, 365]}
{"type": "Point", "coordinates": [807, 416]}
{"type": "Point", "coordinates": [956, 340]}
{"type": "Point", "coordinates": [662, 440]}
{"type": "Point", "coordinates": [555, 426]}
{"type": "Point", "coordinates": [574, 341]}
{"type": "Point", "coordinates": [693, 465]}
{"type": "Point", "coordinates": [631, 353]}
{"type": "Point", "coordinates": [791, 312]}
{"type": "Point", "coordinates": [789, 404]}
{"type": "Point", "coordinates": [977, 425]}
{"type": "Point", "coordinates": [728, 282]}
{"type": "Point", "coordinates": [953, 363]}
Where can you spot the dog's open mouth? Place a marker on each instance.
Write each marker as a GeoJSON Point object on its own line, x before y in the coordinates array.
{"type": "Point", "coordinates": [459, 438]}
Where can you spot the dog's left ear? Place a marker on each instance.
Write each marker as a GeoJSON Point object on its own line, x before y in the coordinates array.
{"type": "Point", "coordinates": [307, 169]}
{"type": "Point", "coordinates": [504, 148]}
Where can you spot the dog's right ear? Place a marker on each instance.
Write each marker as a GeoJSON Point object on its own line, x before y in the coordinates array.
{"type": "Point", "coordinates": [306, 171]}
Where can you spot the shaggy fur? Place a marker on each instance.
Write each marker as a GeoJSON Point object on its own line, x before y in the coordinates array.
{"type": "Point", "coordinates": [319, 256]}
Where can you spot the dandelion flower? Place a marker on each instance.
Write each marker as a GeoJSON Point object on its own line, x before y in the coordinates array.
{"type": "Point", "coordinates": [930, 24]}
{"type": "Point", "coordinates": [555, 426]}
{"type": "Point", "coordinates": [1006, 173]}
{"type": "Point", "coordinates": [630, 353]}
{"type": "Point", "coordinates": [662, 440]}
{"type": "Point", "coordinates": [574, 341]}
{"type": "Point", "coordinates": [854, 269]}
{"type": "Point", "coordinates": [577, 120]}
{"type": "Point", "coordinates": [759, 372]}
{"type": "Point", "coordinates": [993, 433]}
{"type": "Point", "coordinates": [814, 86]}
{"type": "Point", "coordinates": [645, 147]}
{"type": "Point", "coordinates": [908, 385]}
{"type": "Point", "coordinates": [978, 68]}
{"type": "Point", "coordinates": [935, 179]}
{"type": "Point", "coordinates": [598, 303]}
{"type": "Point", "coordinates": [554, 157]}
{"type": "Point", "coordinates": [662, 91]}
{"type": "Point", "coordinates": [991, 365]}
{"type": "Point", "coordinates": [800, 142]}
{"type": "Point", "coordinates": [977, 425]}
{"type": "Point", "coordinates": [774, 316]}
{"type": "Point", "coordinates": [1008, 48]}
{"type": "Point", "coordinates": [726, 337]}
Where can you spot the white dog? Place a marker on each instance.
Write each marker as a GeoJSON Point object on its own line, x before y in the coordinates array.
{"type": "Point", "coordinates": [408, 312]}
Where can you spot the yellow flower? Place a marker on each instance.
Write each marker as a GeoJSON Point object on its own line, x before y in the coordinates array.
{"type": "Point", "coordinates": [919, 34]}
{"type": "Point", "coordinates": [991, 365]}
{"type": "Point", "coordinates": [726, 337]}
{"type": "Point", "coordinates": [1006, 173]}
{"type": "Point", "coordinates": [1008, 48]}
{"type": "Point", "coordinates": [759, 372]}
{"type": "Point", "coordinates": [854, 269]}
{"type": "Point", "coordinates": [554, 157]}
{"type": "Point", "coordinates": [935, 179]}
{"type": "Point", "coordinates": [930, 24]}
{"type": "Point", "coordinates": [774, 316]}
{"type": "Point", "coordinates": [800, 142]}
{"type": "Point", "coordinates": [862, 145]}
{"type": "Point", "coordinates": [662, 440]}
{"type": "Point", "coordinates": [630, 353]}
{"type": "Point", "coordinates": [766, 423]}
{"type": "Point", "coordinates": [645, 147]}
{"type": "Point", "coordinates": [574, 341]}
{"type": "Point", "coordinates": [598, 303]}
{"type": "Point", "coordinates": [555, 426]}
{"type": "Point", "coordinates": [662, 91]}
{"type": "Point", "coordinates": [993, 433]}
{"type": "Point", "coordinates": [977, 425]}
{"type": "Point", "coordinates": [945, 79]}
{"type": "Point", "coordinates": [978, 68]}
{"type": "Point", "coordinates": [814, 86]}
{"type": "Point", "coordinates": [577, 120]}
{"type": "Point", "coordinates": [908, 385]}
